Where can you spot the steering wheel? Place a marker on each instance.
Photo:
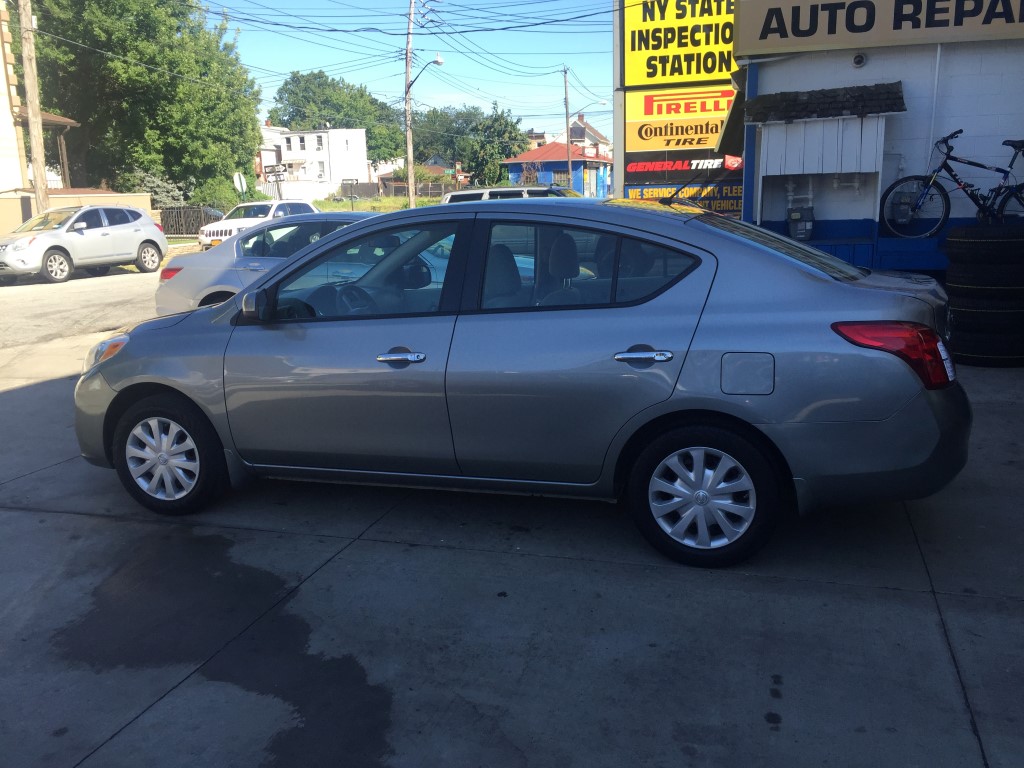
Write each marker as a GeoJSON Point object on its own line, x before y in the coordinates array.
{"type": "Point", "coordinates": [355, 300]}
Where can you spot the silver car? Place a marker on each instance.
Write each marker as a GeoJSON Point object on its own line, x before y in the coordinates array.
{"type": "Point", "coordinates": [710, 373]}
{"type": "Point", "coordinates": [200, 279]}
{"type": "Point", "coordinates": [55, 243]}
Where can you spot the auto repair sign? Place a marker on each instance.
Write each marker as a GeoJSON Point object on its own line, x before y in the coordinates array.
{"type": "Point", "coordinates": [676, 119]}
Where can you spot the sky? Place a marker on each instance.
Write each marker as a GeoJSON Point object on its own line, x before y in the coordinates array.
{"type": "Point", "coordinates": [493, 50]}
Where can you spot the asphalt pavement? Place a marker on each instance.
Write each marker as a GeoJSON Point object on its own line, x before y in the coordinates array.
{"type": "Point", "coordinates": [325, 625]}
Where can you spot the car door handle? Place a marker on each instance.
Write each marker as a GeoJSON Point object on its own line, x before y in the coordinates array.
{"type": "Point", "coordinates": [653, 356]}
{"type": "Point", "coordinates": [104, 234]}
{"type": "Point", "coordinates": [401, 357]}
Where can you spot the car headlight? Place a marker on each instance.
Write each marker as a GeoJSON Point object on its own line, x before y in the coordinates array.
{"type": "Point", "coordinates": [105, 350]}
{"type": "Point", "coordinates": [21, 245]}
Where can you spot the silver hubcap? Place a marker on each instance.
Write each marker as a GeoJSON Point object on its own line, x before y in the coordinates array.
{"type": "Point", "coordinates": [57, 266]}
{"type": "Point", "coordinates": [162, 458]}
{"type": "Point", "coordinates": [702, 498]}
{"type": "Point", "coordinates": [150, 258]}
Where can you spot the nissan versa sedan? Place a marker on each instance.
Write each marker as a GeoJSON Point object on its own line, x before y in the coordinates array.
{"type": "Point", "coordinates": [710, 373]}
{"type": "Point", "coordinates": [55, 243]}
{"type": "Point", "coordinates": [200, 279]}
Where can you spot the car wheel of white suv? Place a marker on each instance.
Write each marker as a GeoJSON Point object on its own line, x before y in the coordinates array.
{"type": "Point", "coordinates": [705, 496]}
{"type": "Point", "coordinates": [56, 266]}
{"type": "Point", "coordinates": [148, 259]}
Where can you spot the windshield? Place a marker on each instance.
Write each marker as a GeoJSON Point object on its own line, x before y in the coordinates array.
{"type": "Point", "coordinates": [48, 220]}
{"type": "Point", "coordinates": [259, 211]}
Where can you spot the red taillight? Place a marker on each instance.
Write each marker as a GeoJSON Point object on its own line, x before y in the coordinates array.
{"type": "Point", "coordinates": [168, 272]}
{"type": "Point", "coordinates": [159, 226]}
{"type": "Point", "coordinates": [918, 345]}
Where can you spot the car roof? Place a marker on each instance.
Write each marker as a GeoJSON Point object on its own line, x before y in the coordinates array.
{"type": "Point", "coordinates": [319, 216]}
{"type": "Point", "coordinates": [595, 208]}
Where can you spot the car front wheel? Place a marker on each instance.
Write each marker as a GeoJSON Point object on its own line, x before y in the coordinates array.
{"type": "Point", "coordinates": [704, 496]}
{"type": "Point", "coordinates": [168, 456]}
{"type": "Point", "coordinates": [148, 258]}
{"type": "Point", "coordinates": [56, 266]}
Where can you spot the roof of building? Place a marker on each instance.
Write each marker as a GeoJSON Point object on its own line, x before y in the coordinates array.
{"type": "Point", "coordinates": [851, 101]}
{"type": "Point", "coordinates": [555, 152]}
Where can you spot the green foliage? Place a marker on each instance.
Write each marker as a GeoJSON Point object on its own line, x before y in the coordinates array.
{"type": "Point", "coordinates": [154, 89]}
{"type": "Point", "coordinates": [314, 100]}
{"type": "Point", "coordinates": [163, 192]}
{"type": "Point", "coordinates": [479, 140]}
{"type": "Point", "coordinates": [220, 193]}
{"type": "Point", "coordinates": [423, 176]}
{"type": "Point", "coordinates": [500, 139]}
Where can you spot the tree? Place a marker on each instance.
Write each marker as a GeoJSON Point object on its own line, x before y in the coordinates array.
{"type": "Point", "coordinates": [500, 139]}
{"type": "Point", "coordinates": [312, 100]}
{"type": "Point", "coordinates": [155, 90]}
{"type": "Point", "coordinates": [451, 132]}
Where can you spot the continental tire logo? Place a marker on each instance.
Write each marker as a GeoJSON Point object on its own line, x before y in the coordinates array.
{"type": "Point", "coordinates": [647, 131]}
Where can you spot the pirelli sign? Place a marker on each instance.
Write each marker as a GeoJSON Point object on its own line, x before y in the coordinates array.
{"type": "Point", "coordinates": [680, 118]}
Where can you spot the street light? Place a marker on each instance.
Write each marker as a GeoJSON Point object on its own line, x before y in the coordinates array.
{"type": "Point", "coordinates": [410, 171]}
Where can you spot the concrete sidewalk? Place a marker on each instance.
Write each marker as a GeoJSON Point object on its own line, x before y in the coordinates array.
{"type": "Point", "coordinates": [307, 625]}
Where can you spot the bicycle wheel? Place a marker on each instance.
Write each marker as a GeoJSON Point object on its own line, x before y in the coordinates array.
{"type": "Point", "coordinates": [913, 207]}
{"type": "Point", "coordinates": [1011, 207]}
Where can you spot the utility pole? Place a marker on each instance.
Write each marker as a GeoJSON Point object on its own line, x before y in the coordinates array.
{"type": "Point", "coordinates": [35, 121]}
{"type": "Point", "coordinates": [410, 170]}
{"type": "Point", "coordinates": [568, 141]}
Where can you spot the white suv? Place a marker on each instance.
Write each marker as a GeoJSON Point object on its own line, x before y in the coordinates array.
{"type": "Point", "coordinates": [243, 216]}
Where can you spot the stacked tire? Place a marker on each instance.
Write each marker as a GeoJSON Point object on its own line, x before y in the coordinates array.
{"type": "Point", "coordinates": [985, 283]}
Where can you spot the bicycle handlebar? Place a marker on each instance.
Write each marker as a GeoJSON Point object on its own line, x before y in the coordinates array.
{"type": "Point", "coordinates": [944, 141]}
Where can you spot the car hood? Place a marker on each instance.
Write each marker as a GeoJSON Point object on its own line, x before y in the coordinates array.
{"type": "Point", "coordinates": [15, 237]}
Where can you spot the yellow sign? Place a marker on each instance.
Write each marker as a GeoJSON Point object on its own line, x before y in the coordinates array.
{"type": "Point", "coordinates": [677, 41]}
{"type": "Point", "coordinates": [681, 118]}
{"type": "Point", "coordinates": [768, 26]}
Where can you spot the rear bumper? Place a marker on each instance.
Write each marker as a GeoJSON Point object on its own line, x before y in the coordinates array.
{"type": "Point", "coordinates": [914, 453]}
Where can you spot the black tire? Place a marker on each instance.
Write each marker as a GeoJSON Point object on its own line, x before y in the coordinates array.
{"type": "Point", "coordinates": [98, 271]}
{"type": "Point", "coordinates": [148, 258]}
{"type": "Point", "coordinates": [741, 518]}
{"type": "Point", "coordinates": [1011, 207]}
{"type": "Point", "coordinates": [1003, 281]}
{"type": "Point", "coordinates": [57, 266]}
{"type": "Point", "coordinates": [896, 212]}
{"type": "Point", "coordinates": [990, 350]}
{"type": "Point", "coordinates": [167, 432]}
{"type": "Point", "coordinates": [995, 244]}
{"type": "Point", "coordinates": [985, 314]}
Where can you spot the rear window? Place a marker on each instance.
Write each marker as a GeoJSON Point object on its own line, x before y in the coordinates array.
{"type": "Point", "coordinates": [835, 268]}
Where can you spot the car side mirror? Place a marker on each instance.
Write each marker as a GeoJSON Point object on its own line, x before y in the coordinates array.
{"type": "Point", "coordinates": [79, 225]}
{"type": "Point", "coordinates": [415, 275]}
{"type": "Point", "coordinates": [256, 305]}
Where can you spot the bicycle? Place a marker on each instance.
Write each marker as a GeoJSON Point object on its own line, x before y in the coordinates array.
{"type": "Point", "coordinates": [918, 206]}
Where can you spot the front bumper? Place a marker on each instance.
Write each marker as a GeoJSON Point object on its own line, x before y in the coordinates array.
{"type": "Point", "coordinates": [93, 397]}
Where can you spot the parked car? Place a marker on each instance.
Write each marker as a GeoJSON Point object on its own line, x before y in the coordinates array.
{"type": "Point", "coordinates": [711, 373]}
{"type": "Point", "coordinates": [58, 241]}
{"type": "Point", "coordinates": [506, 193]}
{"type": "Point", "coordinates": [195, 280]}
{"type": "Point", "coordinates": [246, 215]}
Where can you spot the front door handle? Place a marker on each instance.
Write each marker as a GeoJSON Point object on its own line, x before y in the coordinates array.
{"type": "Point", "coordinates": [401, 357]}
{"type": "Point", "coordinates": [652, 356]}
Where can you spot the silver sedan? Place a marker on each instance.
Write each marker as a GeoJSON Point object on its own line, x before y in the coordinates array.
{"type": "Point", "coordinates": [710, 373]}
{"type": "Point", "coordinates": [200, 279]}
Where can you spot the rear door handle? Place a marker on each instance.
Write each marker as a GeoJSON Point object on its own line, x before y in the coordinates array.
{"type": "Point", "coordinates": [401, 357]}
{"type": "Point", "coordinates": [653, 356]}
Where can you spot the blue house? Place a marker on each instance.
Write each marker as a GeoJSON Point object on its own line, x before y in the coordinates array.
{"type": "Point", "coordinates": [591, 174]}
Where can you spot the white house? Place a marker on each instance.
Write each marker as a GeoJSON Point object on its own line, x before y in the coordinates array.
{"type": "Point", "coordinates": [316, 162]}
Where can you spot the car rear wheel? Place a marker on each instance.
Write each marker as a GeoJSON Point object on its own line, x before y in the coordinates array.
{"type": "Point", "coordinates": [168, 456]}
{"type": "Point", "coordinates": [148, 258]}
{"type": "Point", "coordinates": [704, 496]}
{"type": "Point", "coordinates": [56, 266]}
